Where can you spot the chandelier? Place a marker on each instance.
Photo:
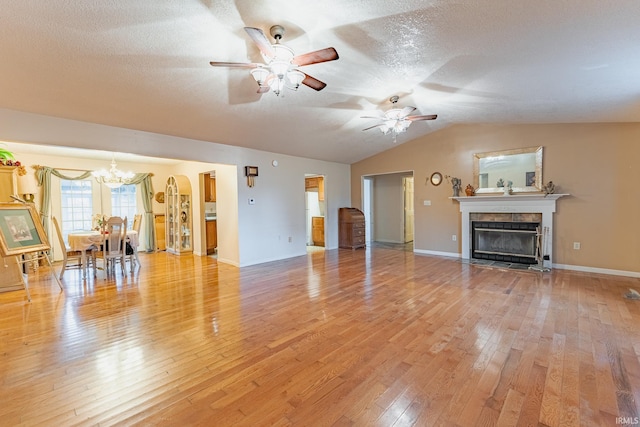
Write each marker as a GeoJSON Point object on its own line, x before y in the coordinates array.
{"type": "Point", "coordinates": [113, 178]}
{"type": "Point", "coordinates": [278, 72]}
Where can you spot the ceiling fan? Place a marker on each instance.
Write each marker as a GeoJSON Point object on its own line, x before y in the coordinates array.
{"type": "Point", "coordinates": [280, 69]}
{"type": "Point", "coordinates": [397, 120]}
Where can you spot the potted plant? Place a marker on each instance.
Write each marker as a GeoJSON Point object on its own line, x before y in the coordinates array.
{"type": "Point", "coordinates": [6, 158]}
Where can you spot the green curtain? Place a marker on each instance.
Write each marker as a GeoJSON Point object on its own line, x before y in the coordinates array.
{"type": "Point", "coordinates": [143, 180]}
{"type": "Point", "coordinates": [43, 175]}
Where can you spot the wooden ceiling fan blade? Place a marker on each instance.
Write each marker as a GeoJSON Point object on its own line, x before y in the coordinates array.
{"type": "Point", "coordinates": [374, 126]}
{"type": "Point", "coordinates": [407, 110]}
{"type": "Point", "coordinates": [234, 64]}
{"type": "Point", "coordinates": [316, 57]}
{"type": "Point", "coordinates": [415, 118]}
{"type": "Point", "coordinates": [313, 83]}
{"type": "Point", "coordinates": [261, 41]}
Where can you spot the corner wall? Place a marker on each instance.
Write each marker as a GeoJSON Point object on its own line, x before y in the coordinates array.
{"type": "Point", "coordinates": [598, 164]}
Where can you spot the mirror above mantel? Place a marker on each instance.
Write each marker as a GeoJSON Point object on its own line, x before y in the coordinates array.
{"type": "Point", "coordinates": [493, 170]}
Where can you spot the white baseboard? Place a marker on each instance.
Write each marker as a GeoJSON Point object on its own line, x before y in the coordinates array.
{"type": "Point", "coordinates": [597, 270]}
{"type": "Point", "coordinates": [437, 253]}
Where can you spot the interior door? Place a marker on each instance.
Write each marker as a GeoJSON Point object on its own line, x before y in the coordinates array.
{"type": "Point", "coordinates": [407, 183]}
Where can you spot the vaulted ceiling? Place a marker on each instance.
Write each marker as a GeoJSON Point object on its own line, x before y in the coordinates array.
{"type": "Point", "coordinates": [144, 65]}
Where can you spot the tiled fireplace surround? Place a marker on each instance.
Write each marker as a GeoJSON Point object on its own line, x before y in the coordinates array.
{"type": "Point", "coordinates": [516, 207]}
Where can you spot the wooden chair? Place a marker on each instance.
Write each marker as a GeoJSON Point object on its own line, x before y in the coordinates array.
{"type": "Point", "coordinates": [70, 259]}
{"type": "Point", "coordinates": [137, 224]}
{"type": "Point", "coordinates": [112, 248]}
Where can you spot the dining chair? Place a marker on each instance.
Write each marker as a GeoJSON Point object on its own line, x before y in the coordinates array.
{"type": "Point", "coordinates": [70, 259]}
{"type": "Point", "coordinates": [137, 224]}
{"type": "Point", "coordinates": [112, 248]}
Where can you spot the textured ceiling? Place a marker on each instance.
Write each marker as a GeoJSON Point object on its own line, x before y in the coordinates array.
{"type": "Point", "coordinates": [144, 64]}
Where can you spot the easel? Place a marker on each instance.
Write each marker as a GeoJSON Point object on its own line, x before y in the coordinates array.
{"type": "Point", "coordinates": [22, 236]}
{"type": "Point", "coordinates": [36, 256]}
{"type": "Point", "coordinates": [540, 243]}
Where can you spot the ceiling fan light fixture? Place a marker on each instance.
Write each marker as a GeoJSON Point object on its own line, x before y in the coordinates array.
{"type": "Point", "coordinates": [260, 75]}
{"type": "Point", "coordinates": [276, 85]}
{"type": "Point", "coordinates": [280, 67]}
{"type": "Point", "coordinates": [295, 78]}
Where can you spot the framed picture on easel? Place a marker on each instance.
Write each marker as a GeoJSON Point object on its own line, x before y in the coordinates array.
{"type": "Point", "coordinates": [21, 231]}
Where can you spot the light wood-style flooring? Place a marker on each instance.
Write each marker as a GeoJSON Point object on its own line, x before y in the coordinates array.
{"type": "Point", "coordinates": [374, 337]}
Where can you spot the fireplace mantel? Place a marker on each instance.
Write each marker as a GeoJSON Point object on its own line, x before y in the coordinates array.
{"type": "Point", "coordinates": [516, 203]}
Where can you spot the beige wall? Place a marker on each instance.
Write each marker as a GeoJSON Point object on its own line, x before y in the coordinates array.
{"type": "Point", "coordinates": [598, 164]}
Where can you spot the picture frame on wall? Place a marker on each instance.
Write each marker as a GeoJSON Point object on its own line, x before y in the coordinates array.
{"type": "Point", "coordinates": [21, 230]}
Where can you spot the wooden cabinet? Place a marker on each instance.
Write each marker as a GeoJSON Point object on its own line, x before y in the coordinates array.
{"type": "Point", "coordinates": [315, 183]}
{"type": "Point", "coordinates": [209, 188]}
{"type": "Point", "coordinates": [351, 225]}
{"type": "Point", "coordinates": [177, 199]}
{"type": "Point", "coordinates": [159, 223]}
{"type": "Point", "coordinates": [317, 230]}
{"type": "Point", "coordinates": [12, 274]}
{"type": "Point", "coordinates": [212, 236]}
{"type": "Point", "coordinates": [8, 183]}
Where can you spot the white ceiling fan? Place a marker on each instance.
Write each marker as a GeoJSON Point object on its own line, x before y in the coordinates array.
{"type": "Point", "coordinates": [396, 120]}
{"type": "Point", "coordinates": [280, 69]}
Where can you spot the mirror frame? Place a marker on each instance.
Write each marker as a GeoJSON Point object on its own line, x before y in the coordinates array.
{"type": "Point", "coordinates": [436, 178]}
{"type": "Point", "coordinates": [538, 170]}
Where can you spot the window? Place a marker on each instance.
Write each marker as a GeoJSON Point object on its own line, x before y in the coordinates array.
{"type": "Point", "coordinates": [76, 205]}
{"type": "Point", "coordinates": [123, 203]}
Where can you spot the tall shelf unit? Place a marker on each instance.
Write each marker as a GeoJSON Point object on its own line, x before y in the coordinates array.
{"type": "Point", "coordinates": [12, 274]}
{"type": "Point", "coordinates": [178, 229]}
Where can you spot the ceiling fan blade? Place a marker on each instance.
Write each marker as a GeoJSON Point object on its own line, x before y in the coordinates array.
{"type": "Point", "coordinates": [313, 83]}
{"type": "Point", "coordinates": [374, 126]}
{"type": "Point", "coordinates": [406, 111]}
{"type": "Point", "coordinates": [322, 55]}
{"type": "Point", "coordinates": [233, 64]}
{"type": "Point", "coordinates": [263, 89]}
{"type": "Point", "coordinates": [415, 118]}
{"type": "Point", "coordinates": [261, 40]}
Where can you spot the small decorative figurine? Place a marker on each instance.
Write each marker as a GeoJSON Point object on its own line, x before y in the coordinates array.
{"type": "Point", "coordinates": [549, 188]}
{"type": "Point", "coordinates": [456, 184]}
{"type": "Point", "coordinates": [508, 188]}
{"type": "Point", "coordinates": [500, 183]}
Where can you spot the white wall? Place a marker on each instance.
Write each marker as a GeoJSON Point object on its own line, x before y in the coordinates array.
{"type": "Point", "coordinates": [263, 228]}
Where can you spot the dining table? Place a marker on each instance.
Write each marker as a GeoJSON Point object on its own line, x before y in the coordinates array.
{"type": "Point", "coordinates": [86, 240]}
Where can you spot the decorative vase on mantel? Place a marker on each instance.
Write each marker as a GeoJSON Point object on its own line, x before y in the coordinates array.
{"type": "Point", "coordinates": [470, 191]}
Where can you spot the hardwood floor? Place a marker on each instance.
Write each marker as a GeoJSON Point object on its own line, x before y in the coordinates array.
{"type": "Point", "coordinates": [373, 337]}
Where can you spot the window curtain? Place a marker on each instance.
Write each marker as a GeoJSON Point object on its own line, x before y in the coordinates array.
{"type": "Point", "coordinates": [143, 180]}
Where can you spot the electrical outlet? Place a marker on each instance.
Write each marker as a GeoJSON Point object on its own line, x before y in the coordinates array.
{"type": "Point", "coordinates": [576, 245]}
{"type": "Point", "coordinates": [454, 237]}
{"type": "Point", "coordinates": [427, 203]}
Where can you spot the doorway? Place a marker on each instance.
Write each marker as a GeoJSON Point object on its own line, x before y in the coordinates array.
{"type": "Point", "coordinates": [388, 205]}
{"type": "Point", "coordinates": [314, 186]}
{"type": "Point", "coordinates": [210, 214]}
{"type": "Point", "coordinates": [407, 184]}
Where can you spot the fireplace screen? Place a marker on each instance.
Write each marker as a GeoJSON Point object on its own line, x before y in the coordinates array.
{"type": "Point", "coordinates": [505, 241]}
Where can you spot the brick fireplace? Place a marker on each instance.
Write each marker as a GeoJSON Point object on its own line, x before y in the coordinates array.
{"type": "Point", "coordinates": [505, 228]}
